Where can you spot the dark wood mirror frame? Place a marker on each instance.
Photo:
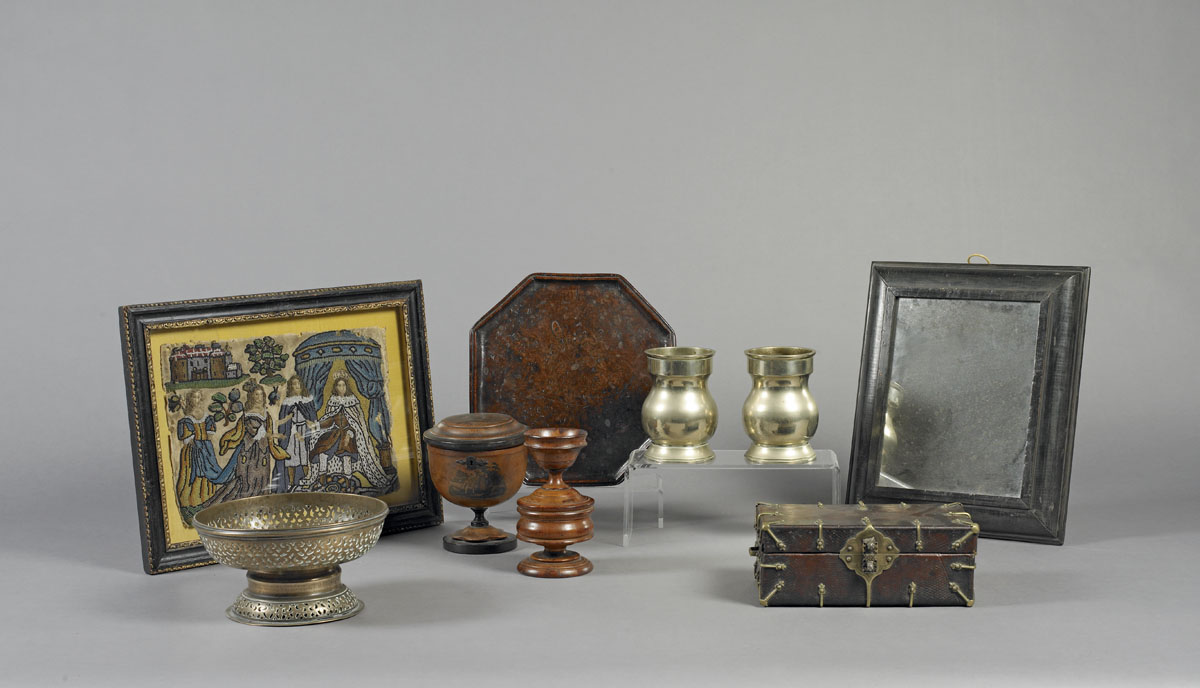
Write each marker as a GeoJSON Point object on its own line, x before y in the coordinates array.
{"type": "Point", "coordinates": [1039, 514]}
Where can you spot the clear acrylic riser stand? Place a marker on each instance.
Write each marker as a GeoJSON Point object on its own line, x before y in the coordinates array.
{"type": "Point", "coordinates": [638, 470]}
{"type": "Point", "coordinates": [726, 460]}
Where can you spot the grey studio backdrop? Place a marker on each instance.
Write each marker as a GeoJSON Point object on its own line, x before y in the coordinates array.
{"type": "Point", "coordinates": [740, 163]}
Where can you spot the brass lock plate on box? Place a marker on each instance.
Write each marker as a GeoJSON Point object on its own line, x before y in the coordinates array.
{"type": "Point", "coordinates": [869, 553]}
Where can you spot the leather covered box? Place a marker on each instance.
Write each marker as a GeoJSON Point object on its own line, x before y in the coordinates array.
{"type": "Point", "coordinates": [846, 555]}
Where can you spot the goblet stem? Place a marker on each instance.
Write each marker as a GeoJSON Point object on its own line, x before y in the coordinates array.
{"type": "Point", "coordinates": [555, 481]}
{"type": "Point", "coordinates": [479, 521]}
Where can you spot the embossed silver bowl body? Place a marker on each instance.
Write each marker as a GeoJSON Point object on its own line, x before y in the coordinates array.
{"type": "Point", "coordinates": [679, 415]}
{"type": "Point", "coordinates": [780, 414]}
{"type": "Point", "coordinates": [292, 547]}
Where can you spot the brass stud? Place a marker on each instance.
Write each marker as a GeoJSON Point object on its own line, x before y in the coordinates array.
{"type": "Point", "coordinates": [764, 601]}
{"type": "Point", "coordinates": [957, 590]}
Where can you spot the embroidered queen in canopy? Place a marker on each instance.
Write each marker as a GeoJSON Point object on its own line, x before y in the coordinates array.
{"type": "Point", "coordinates": [350, 446]}
{"type": "Point", "coordinates": [343, 442]}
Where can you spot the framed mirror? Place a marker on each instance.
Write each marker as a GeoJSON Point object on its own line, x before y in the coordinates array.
{"type": "Point", "coordinates": [968, 389]}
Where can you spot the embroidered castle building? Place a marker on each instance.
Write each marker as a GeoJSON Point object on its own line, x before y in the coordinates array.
{"type": "Point", "coordinates": [203, 362]}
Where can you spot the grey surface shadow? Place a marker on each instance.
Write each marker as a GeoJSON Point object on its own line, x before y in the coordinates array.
{"type": "Point", "coordinates": [84, 523]}
{"type": "Point", "coordinates": [408, 602]}
{"type": "Point", "coordinates": [734, 585]}
{"type": "Point", "coordinates": [993, 590]}
{"type": "Point", "coordinates": [639, 563]}
{"type": "Point", "coordinates": [429, 541]}
{"type": "Point", "coordinates": [711, 521]}
{"type": "Point", "coordinates": [1025, 588]}
{"type": "Point", "coordinates": [605, 563]}
{"type": "Point", "coordinates": [1093, 523]}
{"type": "Point", "coordinates": [192, 596]}
{"type": "Point", "coordinates": [89, 547]}
{"type": "Point", "coordinates": [500, 562]}
{"type": "Point", "coordinates": [393, 604]}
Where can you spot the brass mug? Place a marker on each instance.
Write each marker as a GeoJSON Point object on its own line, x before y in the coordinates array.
{"type": "Point", "coordinates": [780, 415]}
{"type": "Point", "coordinates": [679, 415]}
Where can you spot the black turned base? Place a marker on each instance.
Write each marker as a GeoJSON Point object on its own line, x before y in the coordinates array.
{"type": "Point", "coordinates": [508, 544]}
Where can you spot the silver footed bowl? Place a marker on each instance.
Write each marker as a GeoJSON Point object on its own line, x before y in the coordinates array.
{"type": "Point", "coordinates": [292, 547]}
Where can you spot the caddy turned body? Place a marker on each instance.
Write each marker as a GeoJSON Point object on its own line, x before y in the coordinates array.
{"type": "Point", "coordinates": [846, 555]}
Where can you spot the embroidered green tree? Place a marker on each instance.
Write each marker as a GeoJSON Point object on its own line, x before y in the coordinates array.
{"type": "Point", "coordinates": [226, 408]}
{"type": "Point", "coordinates": [266, 358]}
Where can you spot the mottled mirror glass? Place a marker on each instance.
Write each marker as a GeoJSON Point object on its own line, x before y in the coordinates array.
{"type": "Point", "coordinates": [960, 396]}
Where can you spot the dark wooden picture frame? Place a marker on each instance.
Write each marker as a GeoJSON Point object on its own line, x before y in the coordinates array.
{"type": "Point", "coordinates": [1039, 513]}
{"type": "Point", "coordinates": [139, 322]}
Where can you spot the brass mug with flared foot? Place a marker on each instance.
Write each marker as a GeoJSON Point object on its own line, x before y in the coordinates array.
{"type": "Point", "coordinates": [679, 415]}
{"type": "Point", "coordinates": [780, 415]}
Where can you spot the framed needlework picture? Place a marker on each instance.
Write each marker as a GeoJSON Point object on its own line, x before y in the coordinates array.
{"type": "Point", "coordinates": [324, 390]}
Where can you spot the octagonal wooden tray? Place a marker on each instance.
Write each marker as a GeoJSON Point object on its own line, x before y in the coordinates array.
{"type": "Point", "coordinates": [566, 350]}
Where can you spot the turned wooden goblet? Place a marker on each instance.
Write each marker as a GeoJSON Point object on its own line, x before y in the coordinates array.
{"type": "Point", "coordinates": [555, 515]}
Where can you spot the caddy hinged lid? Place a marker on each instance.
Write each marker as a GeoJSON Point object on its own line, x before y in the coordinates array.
{"type": "Point", "coordinates": [469, 432]}
{"type": "Point", "coordinates": [828, 528]}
